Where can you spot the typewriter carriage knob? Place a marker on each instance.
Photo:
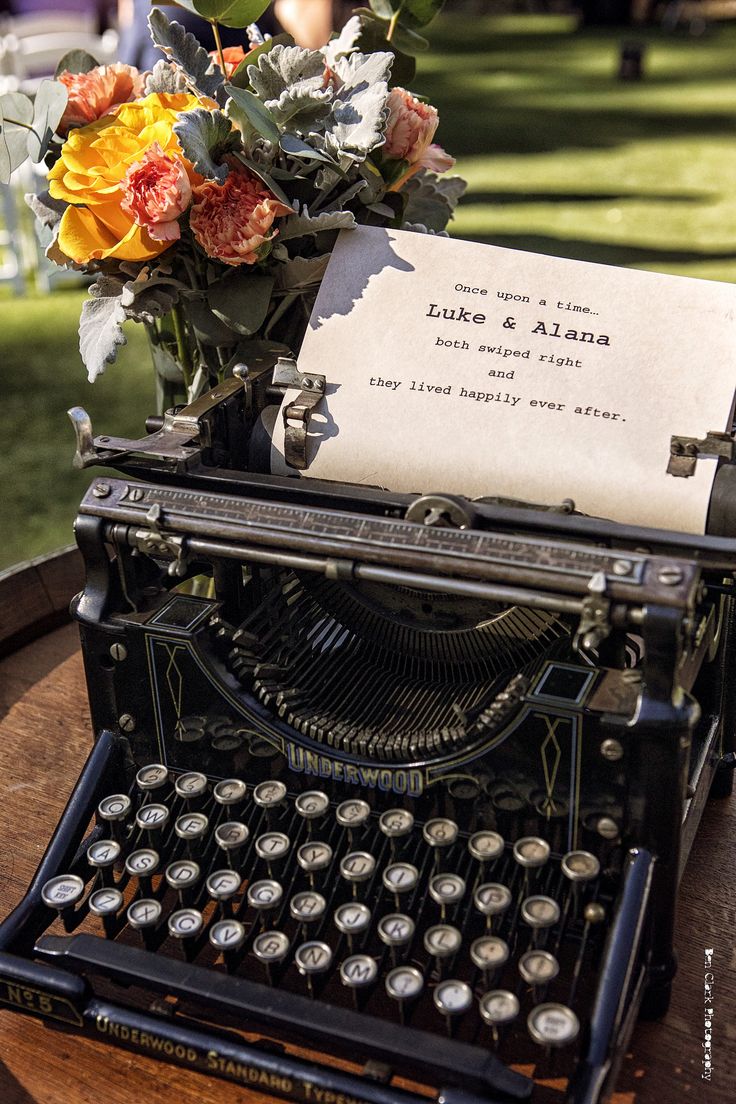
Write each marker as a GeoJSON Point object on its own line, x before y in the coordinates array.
{"type": "Point", "coordinates": [441, 511]}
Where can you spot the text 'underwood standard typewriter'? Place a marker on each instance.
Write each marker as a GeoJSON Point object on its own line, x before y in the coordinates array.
{"type": "Point", "coordinates": [407, 781]}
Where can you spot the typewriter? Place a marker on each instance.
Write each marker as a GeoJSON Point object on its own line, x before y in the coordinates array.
{"type": "Point", "coordinates": [403, 782]}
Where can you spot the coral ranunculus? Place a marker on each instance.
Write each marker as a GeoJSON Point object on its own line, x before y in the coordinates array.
{"type": "Point", "coordinates": [92, 172]}
{"type": "Point", "coordinates": [101, 90]}
{"type": "Point", "coordinates": [410, 127]}
{"type": "Point", "coordinates": [156, 191]}
{"type": "Point", "coordinates": [233, 222]}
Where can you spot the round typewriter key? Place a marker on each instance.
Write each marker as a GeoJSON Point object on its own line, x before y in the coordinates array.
{"type": "Point", "coordinates": [143, 915]}
{"type": "Point", "coordinates": [103, 855]}
{"type": "Point", "coordinates": [191, 786]}
{"type": "Point", "coordinates": [223, 885]}
{"type": "Point", "coordinates": [580, 866]}
{"type": "Point", "coordinates": [192, 828]}
{"type": "Point", "coordinates": [358, 971]}
{"type": "Point", "coordinates": [312, 805]}
{"type": "Point", "coordinates": [228, 937]}
{"type": "Point", "coordinates": [446, 889]}
{"type": "Point", "coordinates": [230, 791]}
{"type": "Point", "coordinates": [440, 832]}
{"type": "Point", "coordinates": [442, 941]}
{"type": "Point", "coordinates": [186, 924]}
{"type": "Point", "coordinates": [485, 846]}
{"type": "Point", "coordinates": [400, 878]}
{"type": "Point", "coordinates": [553, 1025]}
{"type": "Point", "coordinates": [540, 912]}
{"type": "Point", "coordinates": [307, 907]}
{"type": "Point", "coordinates": [62, 893]}
{"type": "Point", "coordinates": [607, 828]}
{"type": "Point", "coordinates": [353, 815]}
{"type": "Point", "coordinates": [357, 867]}
{"type": "Point", "coordinates": [152, 777]}
{"type": "Point", "coordinates": [531, 852]}
{"type": "Point", "coordinates": [106, 903]}
{"type": "Point", "coordinates": [396, 823]}
{"type": "Point", "coordinates": [396, 929]}
{"type": "Point", "coordinates": [538, 967]}
{"type": "Point", "coordinates": [313, 958]}
{"type": "Point", "coordinates": [182, 875]}
{"type": "Point", "coordinates": [152, 819]}
{"type": "Point", "coordinates": [269, 796]}
{"type": "Point", "coordinates": [489, 953]}
{"type": "Point", "coordinates": [452, 998]}
{"type": "Point", "coordinates": [115, 810]}
{"type": "Point", "coordinates": [314, 857]}
{"type": "Point", "coordinates": [271, 947]}
{"type": "Point", "coordinates": [272, 847]}
{"type": "Point", "coordinates": [143, 864]}
{"type": "Point", "coordinates": [497, 1008]}
{"type": "Point", "coordinates": [230, 837]}
{"type": "Point", "coordinates": [352, 919]}
{"type": "Point", "coordinates": [404, 984]}
{"type": "Point", "coordinates": [492, 899]}
{"type": "Point", "coordinates": [265, 896]}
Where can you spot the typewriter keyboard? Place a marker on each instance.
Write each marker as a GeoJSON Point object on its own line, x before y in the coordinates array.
{"type": "Point", "coordinates": [490, 941]}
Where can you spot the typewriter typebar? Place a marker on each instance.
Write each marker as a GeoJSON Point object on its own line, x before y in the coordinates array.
{"type": "Point", "coordinates": [408, 782]}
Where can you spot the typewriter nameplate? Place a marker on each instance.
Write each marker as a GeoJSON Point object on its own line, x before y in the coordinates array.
{"type": "Point", "coordinates": [473, 552]}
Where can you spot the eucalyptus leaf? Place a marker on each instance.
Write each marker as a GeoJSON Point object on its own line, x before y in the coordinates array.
{"type": "Point", "coordinates": [295, 147]}
{"type": "Point", "coordinates": [300, 225]}
{"type": "Point", "coordinates": [408, 41]}
{"type": "Point", "coordinates": [210, 329]}
{"type": "Point", "coordinates": [205, 138]}
{"type": "Point", "coordinates": [48, 108]}
{"type": "Point", "coordinates": [231, 13]}
{"type": "Point", "coordinates": [264, 176]}
{"type": "Point", "coordinates": [290, 81]}
{"type": "Point", "coordinates": [15, 110]}
{"type": "Point", "coordinates": [373, 38]}
{"type": "Point", "coordinates": [76, 61]}
{"type": "Point", "coordinates": [184, 50]}
{"type": "Point", "coordinates": [257, 115]}
{"type": "Point", "coordinates": [384, 9]}
{"type": "Point", "coordinates": [100, 333]}
{"type": "Point", "coordinates": [241, 300]}
{"type": "Point", "coordinates": [419, 13]}
{"type": "Point", "coordinates": [241, 78]}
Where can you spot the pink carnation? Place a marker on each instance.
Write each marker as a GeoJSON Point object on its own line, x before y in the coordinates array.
{"type": "Point", "coordinates": [98, 92]}
{"type": "Point", "coordinates": [156, 190]}
{"type": "Point", "coordinates": [410, 128]}
{"type": "Point", "coordinates": [436, 160]}
{"type": "Point", "coordinates": [234, 220]}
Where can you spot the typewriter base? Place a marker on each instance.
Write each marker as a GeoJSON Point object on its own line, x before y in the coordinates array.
{"type": "Point", "coordinates": [35, 1056]}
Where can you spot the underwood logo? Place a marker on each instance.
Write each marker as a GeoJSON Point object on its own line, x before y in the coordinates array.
{"type": "Point", "coordinates": [400, 781]}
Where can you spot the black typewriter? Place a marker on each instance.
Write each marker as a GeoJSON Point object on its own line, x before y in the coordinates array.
{"type": "Point", "coordinates": [407, 781]}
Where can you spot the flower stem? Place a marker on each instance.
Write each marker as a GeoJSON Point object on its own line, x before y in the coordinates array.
{"type": "Point", "coordinates": [182, 348]}
{"type": "Point", "coordinates": [218, 44]}
{"type": "Point", "coordinates": [393, 22]}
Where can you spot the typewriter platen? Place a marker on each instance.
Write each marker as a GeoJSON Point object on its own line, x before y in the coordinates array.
{"type": "Point", "coordinates": [409, 781]}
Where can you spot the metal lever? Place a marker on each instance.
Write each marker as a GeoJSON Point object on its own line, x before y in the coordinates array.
{"type": "Point", "coordinates": [685, 452]}
{"type": "Point", "coordinates": [299, 411]}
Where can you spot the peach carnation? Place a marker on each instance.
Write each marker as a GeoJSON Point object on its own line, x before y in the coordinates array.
{"type": "Point", "coordinates": [156, 190]}
{"type": "Point", "coordinates": [94, 94]}
{"type": "Point", "coordinates": [233, 222]}
{"type": "Point", "coordinates": [436, 160]}
{"type": "Point", "coordinates": [233, 56]}
{"type": "Point", "coordinates": [410, 128]}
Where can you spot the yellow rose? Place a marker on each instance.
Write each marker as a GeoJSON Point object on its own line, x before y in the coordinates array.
{"type": "Point", "coordinates": [91, 175]}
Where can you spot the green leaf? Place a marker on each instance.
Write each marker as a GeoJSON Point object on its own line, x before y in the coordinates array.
{"type": "Point", "coordinates": [257, 115]}
{"type": "Point", "coordinates": [183, 49]}
{"type": "Point", "coordinates": [210, 329]}
{"type": "Point", "coordinates": [373, 38]}
{"type": "Point", "coordinates": [205, 138]}
{"type": "Point", "coordinates": [48, 107]}
{"type": "Point", "coordinates": [296, 148]}
{"type": "Point", "coordinates": [408, 41]}
{"type": "Point", "coordinates": [290, 82]}
{"type": "Point", "coordinates": [384, 9]}
{"type": "Point", "coordinates": [241, 300]}
{"type": "Point", "coordinates": [240, 77]}
{"type": "Point", "coordinates": [76, 61]}
{"type": "Point", "coordinates": [259, 171]}
{"type": "Point", "coordinates": [100, 333]}
{"type": "Point", "coordinates": [300, 225]}
{"type": "Point", "coordinates": [13, 138]}
{"type": "Point", "coordinates": [419, 13]}
{"type": "Point", "coordinates": [231, 13]}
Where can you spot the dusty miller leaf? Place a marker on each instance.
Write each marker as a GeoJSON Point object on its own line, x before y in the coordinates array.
{"type": "Point", "coordinates": [299, 225]}
{"type": "Point", "coordinates": [290, 82]}
{"type": "Point", "coordinates": [205, 138]}
{"type": "Point", "coordinates": [48, 107]}
{"type": "Point", "coordinates": [183, 49]}
{"type": "Point", "coordinates": [100, 331]}
{"type": "Point", "coordinates": [47, 210]}
{"type": "Point", "coordinates": [344, 44]}
{"type": "Point", "coordinates": [419, 228]}
{"type": "Point", "coordinates": [302, 272]}
{"type": "Point", "coordinates": [14, 107]}
{"type": "Point", "coordinates": [432, 199]}
{"type": "Point", "coordinates": [356, 122]}
{"type": "Point", "coordinates": [165, 78]}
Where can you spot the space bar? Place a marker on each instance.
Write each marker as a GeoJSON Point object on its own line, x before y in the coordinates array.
{"type": "Point", "coordinates": [286, 1014]}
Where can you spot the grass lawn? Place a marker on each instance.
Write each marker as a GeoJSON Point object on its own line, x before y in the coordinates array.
{"type": "Point", "coordinates": [561, 158]}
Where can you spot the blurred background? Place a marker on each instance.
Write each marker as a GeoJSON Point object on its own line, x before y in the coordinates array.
{"type": "Point", "coordinates": [601, 131]}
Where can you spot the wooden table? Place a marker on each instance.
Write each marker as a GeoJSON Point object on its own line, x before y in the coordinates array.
{"type": "Point", "coordinates": [44, 737]}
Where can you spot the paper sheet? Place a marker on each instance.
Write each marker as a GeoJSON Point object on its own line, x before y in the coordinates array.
{"type": "Point", "coordinates": [470, 369]}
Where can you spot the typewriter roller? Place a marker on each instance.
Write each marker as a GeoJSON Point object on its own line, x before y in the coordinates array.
{"type": "Point", "coordinates": [406, 781]}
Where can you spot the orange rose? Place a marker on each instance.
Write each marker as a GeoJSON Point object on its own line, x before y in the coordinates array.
{"type": "Point", "coordinates": [233, 222]}
{"type": "Point", "coordinates": [97, 92]}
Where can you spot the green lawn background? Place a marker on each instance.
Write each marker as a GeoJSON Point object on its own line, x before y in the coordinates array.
{"type": "Point", "coordinates": [561, 158]}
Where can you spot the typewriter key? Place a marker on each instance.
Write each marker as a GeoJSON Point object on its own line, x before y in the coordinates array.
{"type": "Point", "coordinates": [580, 866]}
{"type": "Point", "coordinates": [357, 867]}
{"type": "Point", "coordinates": [143, 915]}
{"type": "Point", "coordinates": [143, 864]}
{"type": "Point", "coordinates": [264, 896]}
{"type": "Point", "coordinates": [607, 828]}
{"type": "Point", "coordinates": [400, 878]}
{"type": "Point", "coordinates": [553, 1025]}
{"type": "Point", "coordinates": [485, 846]}
{"type": "Point", "coordinates": [446, 889]}
{"type": "Point", "coordinates": [489, 953]}
{"type": "Point", "coordinates": [228, 937]}
{"type": "Point", "coordinates": [358, 971]}
{"type": "Point", "coordinates": [182, 876]}
{"type": "Point", "coordinates": [106, 903]}
{"type": "Point", "coordinates": [152, 819]}
{"type": "Point", "coordinates": [404, 984]}
{"type": "Point", "coordinates": [540, 912]}
{"type": "Point", "coordinates": [230, 837]}
{"type": "Point", "coordinates": [452, 998]}
{"type": "Point", "coordinates": [352, 815]}
{"type": "Point", "coordinates": [271, 948]}
{"type": "Point", "coordinates": [273, 847]}
{"type": "Point", "coordinates": [103, 855]}
{"type": "Point", "coordinates": [352, 918]}
{"type": "Point", "coordinates": [270, 796]}
{"type": "Point", "coordinates": [311, 805]}
{"type": "Point", "coordinates": [440, 834]}
{"type": "Point", "coordinates": [61, 894]}
{"type": "Point", "coordinates": [314, 857]}
{"type": "Point", "coordinates": [396, 824]}
{"type": "Point", "coordinates": [152, 777]}
{"type": "Point", "coordinates": [307, 907]}
{"type": "Point", "coordinates": [492, 899]}
{"type": "Point", "coordinates": [223, 885]}
{"type": "Point", "coordinates": [396, 929]}
{"type": "Point", "coordinates": [192, 828]}
{"type": "Point", "coordinates": [115, 810]}
{"type": "Point", "coordinates": [312, 958]}
{"type": "Point", "coordinates": [229, 792]}
{"type": "Point", "coordinates": [531, 852]}
{"type": "Point", "coordinates": [186, 924]}
{"type": "Point", "coordinates": [442, 941]}
{"type": "Point", "coordinates": [538, 968]}
{"type": "Point", "coordinates": [497, 1008]}
{"type": "Point", "coordinates": [191, 786]}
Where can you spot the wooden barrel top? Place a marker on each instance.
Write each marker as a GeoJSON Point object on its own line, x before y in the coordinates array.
{"type": "Point", "coordinates": [45, 735]}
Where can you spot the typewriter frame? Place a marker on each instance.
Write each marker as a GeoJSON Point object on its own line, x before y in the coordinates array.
{"type": "Point", "coordinates": [59, 988]}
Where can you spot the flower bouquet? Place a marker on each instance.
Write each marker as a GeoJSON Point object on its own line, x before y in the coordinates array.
{"type": "Point", "coordinates": [204, 197]}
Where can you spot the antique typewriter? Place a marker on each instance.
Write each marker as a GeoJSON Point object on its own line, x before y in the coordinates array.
{"type": "Point", "coordinates": [405, 782]}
